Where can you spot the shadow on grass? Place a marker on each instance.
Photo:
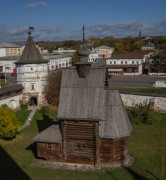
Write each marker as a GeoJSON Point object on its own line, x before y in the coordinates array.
{"type": "Point", "coordinates": [45, 123]}
{"type": "Point", "coordinates": [135, 175]}
{"type": "Point", "coordinates": [42, 125]}
{"type": "Point", "coordinates": [9, 169]}
{"type": "Point", "coordinates": [32, 147]}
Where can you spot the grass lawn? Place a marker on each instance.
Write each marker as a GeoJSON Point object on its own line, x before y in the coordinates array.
{"type": "Point", "coordinates": [22, 115]}
{"type": "Point", "coordinates": [151, 90]}
{"type": "Point", "coordinates": [147, 145]}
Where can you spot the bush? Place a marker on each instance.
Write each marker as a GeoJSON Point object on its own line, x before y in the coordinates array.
{"type": "Point", "coordinates": [50, 111]}
{"type": "Point", "coordinates": [23, 105]}
{"type": "Point", "coordinates": [140, 114]}
{"type": "Point", "coordinates": [8, 123]}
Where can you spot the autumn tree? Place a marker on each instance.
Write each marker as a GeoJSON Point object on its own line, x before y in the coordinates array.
{"type": "Point", "coordinates": [52, 88]}
{"type": "Point", "coordinates": [9, 123]}
{"type": "Point", "coordinates": [75, 57]}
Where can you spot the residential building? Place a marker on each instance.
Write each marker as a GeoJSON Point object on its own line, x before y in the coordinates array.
{"type": "Point", "coordinates": [130, 63]}
{"type": "Point", "coordinates": [148, 47]}
{"type": "Point", "coordinates": [93, 56]}
{"type": "Point", "coordinates": [62, 50]}
{"type": "Point", "coordinates": [7, 64]}
{"type": "Point", "coordinates": [9, 49]}
{"type": "Point", "coordinates": [58, 61]}
{"type": "Point", "coordinates": [104, 51]}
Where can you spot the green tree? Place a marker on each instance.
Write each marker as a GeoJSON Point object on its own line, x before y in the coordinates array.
{"type": "Point", "coordinates": [9, 123]}
{"type": "Point", "coordinates": [75, 58]}
{"type": "Point", "coordinates": [160, 62]}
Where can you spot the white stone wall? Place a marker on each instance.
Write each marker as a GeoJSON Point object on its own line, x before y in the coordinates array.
{"type": "Point", "coordinates": [2, 52]}
{"type": "Point", "coordinates": [12, 102]}
{"type": "Point", "coordinates": [33, 77]}
{"type": "Point", "coordinates": [131, 100]}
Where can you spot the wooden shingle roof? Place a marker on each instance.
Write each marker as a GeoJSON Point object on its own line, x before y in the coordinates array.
{"type": "Point", "coordinates": [11, 88]}
{"type": "Point", "coordinates": [30, 55]}
{"type": "Point", "coordinates": [50, 135]}
{"type": "Point", "coordinates": [87, 99]}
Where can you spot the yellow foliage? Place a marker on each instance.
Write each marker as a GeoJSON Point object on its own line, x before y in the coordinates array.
{"type": "Point", "coordinates": [8, 123]}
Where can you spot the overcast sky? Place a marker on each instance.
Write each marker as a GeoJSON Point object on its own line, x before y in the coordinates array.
{"type": "Point", "coordinates": [63, 19]}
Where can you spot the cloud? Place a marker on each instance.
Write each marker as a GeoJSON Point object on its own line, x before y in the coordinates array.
{"type": "Point", "coordinates": [59, 33]}
{"type": "Point", "coordinates": [51, 30]}
{"type": "Point", "coordinates": [126, 28]}
{"type": "Point", "coordinates": [3, 29]}
{"type": "Point", "coordinates": [19, 31]}
{"type": "Point", "coordinates": [32, 6]}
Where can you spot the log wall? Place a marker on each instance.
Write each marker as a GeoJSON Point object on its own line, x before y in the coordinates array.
{"type": "Point", "coordinates": [49, 151]}
{"type": "Point", "coordinates": [79, 141]}
{"type": "Point", "coordinates": [113, 151]}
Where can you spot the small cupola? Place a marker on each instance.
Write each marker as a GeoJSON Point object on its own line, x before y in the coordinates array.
{"type": "Point", "coordinates": [83, 66]}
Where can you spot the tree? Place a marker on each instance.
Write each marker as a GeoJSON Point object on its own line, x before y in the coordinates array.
{"type": "Point", "coordinates": [9, 123]}
{"type": "Point", "coordinates": [50, 47]}
{"type": "Point", "coordinates": [160, 62]}
{"type": "Point", "coordinates": [75, 58]}
{"type": "Point", "coordinates": [52, 88]}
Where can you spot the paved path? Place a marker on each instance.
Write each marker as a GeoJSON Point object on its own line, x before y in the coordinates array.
{"type": "Point", "coordinates": [30, 117]}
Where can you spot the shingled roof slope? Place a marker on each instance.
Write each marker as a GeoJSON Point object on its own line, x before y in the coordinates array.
{"type": "Point", "coordinates": [31, 55]}
{"type": "Point", "coordinates": [116, 122]}
{"type": "Point", "coordinates": [129, 55]}
{"type": "Point", "coordinates": [11, 88]}
{"type": "Point", "coordinates": [51, 135]}
{"type": "Point", "coordinates": [87, 99]}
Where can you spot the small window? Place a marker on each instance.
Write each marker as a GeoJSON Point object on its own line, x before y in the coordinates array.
{"type": "Point", "coordinates": [125, 62]}
{"type": "Point", "coordinates": [49, 145]}
{"type": "Point", "coordinates": [80, 146]}
{"type": "Point", "coordinates": [32, 87]}
{"type": "Point", "coordinates": [132, 62]}
{"type": "Point", "coordinates": [137, 62]}
{"type": "Point", "coordinates": [110, 62]}
{"type": "Point", "coordinates": [31, 69]}
{"type": "Point", "coordinates": [114, 62]}
{"type": "Point", "coordinates": [121, 62]}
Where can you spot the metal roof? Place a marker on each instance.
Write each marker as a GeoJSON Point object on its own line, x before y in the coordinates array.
{"type": "Point", "coordinates": [31, 55]}
{"type": "Point", "coordinates": [103, 47]}
{"type": "Point", "coordinates": [130, 55]}
{"type": "Point", "coordinates": [11, 88]}
{"type": "Point", "coordinates": [50, 135]}
{"type": "Point", "coordinates": [8, 45]}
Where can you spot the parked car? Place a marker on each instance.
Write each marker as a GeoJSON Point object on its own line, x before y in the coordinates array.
{"type": "Point", "coordinates": [14, 74]}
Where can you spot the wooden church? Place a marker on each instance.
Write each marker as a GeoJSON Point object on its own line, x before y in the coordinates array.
{"type": "Point", "coordinates": [93, 124]}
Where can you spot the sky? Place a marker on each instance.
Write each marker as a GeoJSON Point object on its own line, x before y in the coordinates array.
{"type": "Point", "coordinates": [57, 20]}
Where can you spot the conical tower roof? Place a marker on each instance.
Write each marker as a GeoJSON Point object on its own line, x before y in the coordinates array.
{"type": "Point", "coordinates": [31, 55]}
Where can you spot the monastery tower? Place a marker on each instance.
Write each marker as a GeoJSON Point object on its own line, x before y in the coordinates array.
{"type": "Point", "coordinates": [32, 72]}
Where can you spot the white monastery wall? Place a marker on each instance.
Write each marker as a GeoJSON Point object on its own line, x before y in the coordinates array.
{"type": "Point", "coordinates": [13, 102]}
{"type": "Point", "coordinates": [159, 103]}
